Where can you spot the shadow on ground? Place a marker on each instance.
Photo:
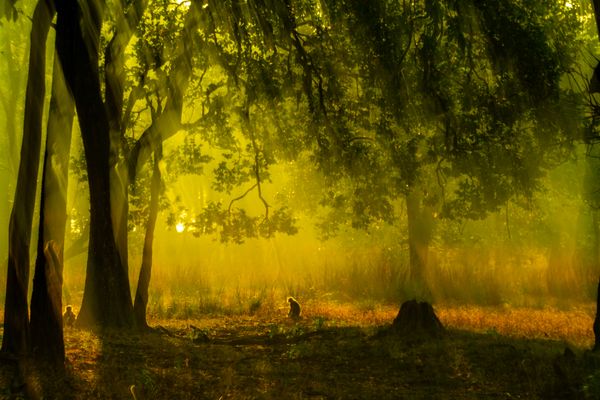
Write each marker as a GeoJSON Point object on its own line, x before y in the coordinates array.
{"type": "Point", "coordinates": [279, 359]}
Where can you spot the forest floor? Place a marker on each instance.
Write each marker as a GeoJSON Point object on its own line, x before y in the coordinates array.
{"type": "Point", "coordinates": [333, 352]}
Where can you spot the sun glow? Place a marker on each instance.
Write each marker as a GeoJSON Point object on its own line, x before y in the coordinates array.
{"type": "Point", "coordinates": [186, 3]}
{"type": "Point", "coordinates": [180, 227]}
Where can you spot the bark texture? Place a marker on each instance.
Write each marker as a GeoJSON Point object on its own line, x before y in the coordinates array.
{"type": "Point", "coordinates": [46, 299]}
{"type": "Point", "coordinates": [141, 295]}
{"type": "Point", "coordinates": [107, 296]}
{"type": "Point", "coordinates": [16, 319]}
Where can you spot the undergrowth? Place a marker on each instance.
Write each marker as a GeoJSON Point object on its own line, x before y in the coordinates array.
{"type": "Point", "coordinates": [336, 350]}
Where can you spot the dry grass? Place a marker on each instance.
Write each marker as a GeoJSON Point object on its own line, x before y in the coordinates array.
{"type": "Point", "coordinates": [334, 351]}
{"type": "Point", "coordinates": [573, 326]}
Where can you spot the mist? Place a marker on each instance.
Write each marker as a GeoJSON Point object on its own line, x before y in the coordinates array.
{"type": "Point", "coordinates": [536, 252]}
{"type": "Point", "coordinates": [193, 176]}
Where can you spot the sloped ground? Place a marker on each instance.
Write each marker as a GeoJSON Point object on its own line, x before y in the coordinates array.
{"type": "Point", "coordinates": [318, 357]}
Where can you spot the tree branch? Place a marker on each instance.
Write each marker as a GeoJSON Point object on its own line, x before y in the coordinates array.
{"type": "Point", "coordinates": [240, 197]}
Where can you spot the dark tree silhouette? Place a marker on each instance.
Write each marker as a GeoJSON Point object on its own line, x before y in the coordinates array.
{"type": "Point", "coordinates": [16, 319]}
{"type": "Point", "coordinates": [107, 295]}
{"type": "Point", "coordinates": [141, 295]}
{"type": "Point", "coordinates": [46, 299]}
{"type": "Point", "coordinates": [417, 318]}
{"type": "Point", "coordinates": [593, 83]}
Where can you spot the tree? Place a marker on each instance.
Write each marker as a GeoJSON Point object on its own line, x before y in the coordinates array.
{"type": "Point", "coordinates": [141, 295]}
{"type": "Point", "coordinates": [455, 113]}
{"type": "Point", "coordinates": [16, 318]}
{"type": "Point", "coordinates": [425, 92]}
{"type": "Point", "coordinates": [107, 296]}
{"type": "Point", "coordinates": [593, 89]}
{"type": "Point", "coordinates": [46, 300]}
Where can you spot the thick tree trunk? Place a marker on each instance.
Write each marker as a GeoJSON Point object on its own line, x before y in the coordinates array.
{"type": "Point", "coordinates": [417, 318]}
{"type": "Point", "coordinates": [420, 226]}
{"type": "Point", "coordinates": [16, 319]}
{"type": "Point", "coordinates": [141, 295]}
{"type": "Point", "coordinates": [46, 300]}
{"type": "Point", "coordinates": [47, 339]}
{"type": "Point", "coordinates": [107, 296]}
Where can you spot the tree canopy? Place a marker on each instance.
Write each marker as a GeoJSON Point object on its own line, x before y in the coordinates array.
{"type": "Point", "coordinates": [448, 109]}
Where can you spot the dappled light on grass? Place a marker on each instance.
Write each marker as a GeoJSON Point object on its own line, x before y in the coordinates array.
{"type": "Point", "coordinates": [572, 326]}
{"type": "Point", "coordinates": [332, 351]}
{"type": "Point", "coordinates": [83, 351]}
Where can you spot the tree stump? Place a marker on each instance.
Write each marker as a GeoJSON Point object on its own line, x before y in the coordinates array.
{"type": "Point", "coordinates": [417, 318]}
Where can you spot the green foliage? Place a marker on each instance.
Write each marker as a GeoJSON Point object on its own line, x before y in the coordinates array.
{"type": "Point", "coordinates": [187, 158]}
{"type": "Point", "coordinates": [384, 97]}
{"type": "Point", "coordinates": [464, 96]}
{"type": "Point", "coordinates": [235, 225]}
{"type": "Point", "coordinates": [78, 167]}
{"type": "Point", "coordinates": [232, 173]}
{"type": "Point", "coordinates": [463, 102]}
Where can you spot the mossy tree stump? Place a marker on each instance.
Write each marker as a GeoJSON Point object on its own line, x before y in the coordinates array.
{"type": "Point", "coordinates": [417, 318]}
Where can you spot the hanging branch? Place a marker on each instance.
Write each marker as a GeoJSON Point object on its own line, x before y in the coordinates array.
{"type": "Point", "coordinates": [256, 162]}
{"type": "Point", "coordinates": [255, 148]}
{"type": "Point", "coordinates": [240, 197]}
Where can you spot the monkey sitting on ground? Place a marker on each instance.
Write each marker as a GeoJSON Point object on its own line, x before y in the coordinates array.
{"type": "Point", "coordinates": [295, 308]}
{"type": "Point", "coordinates": [69, 317]}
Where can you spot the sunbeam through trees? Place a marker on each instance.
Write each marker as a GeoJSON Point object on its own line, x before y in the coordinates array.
{"type": "Point", "coordinates": [177, 174]}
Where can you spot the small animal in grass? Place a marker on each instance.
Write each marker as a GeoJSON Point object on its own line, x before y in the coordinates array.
{"type": "Point", "coordinates": [295, 308]}
{"type": "Point", "coordinates": [69, 317]}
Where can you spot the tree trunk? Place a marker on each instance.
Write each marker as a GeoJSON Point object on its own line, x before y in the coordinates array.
{"type": "Point", "coordinates": [596, 7]}
{"type": "Point", "coordinates": [46, 300]}
{"type": "Point", "coordinates": [114, 82]}
{"type": "Point", "coordinates": [16, 319]}
{"type": "Point", "coordinates": [107, 296]}
{"type": "Point", "coordinates": [141, 294]}
{"type": "Point", "coordinates": [47, 339]}
{"type": "Point", "coordinates": [9, 160]}
{"type": "Point", "coordinates": [597, 321]}
{"type": "Point", "coordinates": [596, 327]}
{"type": "Point", "coordinates": [420, 226]}
{"type": "Point", "coordinates": [417, 318]}
{"type": "Point", "coordinates": [119, 203]}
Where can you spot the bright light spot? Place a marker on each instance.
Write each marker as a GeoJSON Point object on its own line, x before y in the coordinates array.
{"type": "Point", "coordinates": [180, 227]}
{"type": "Point", "coordinates": [568, 5]}
{"type": "Point", "coordinates": [75, 228]}
{"type": "Point", "coordinates": [185, 3]}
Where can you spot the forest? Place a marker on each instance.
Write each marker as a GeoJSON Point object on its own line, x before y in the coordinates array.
{"type": "Point", "coordinates": [300, 199]}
